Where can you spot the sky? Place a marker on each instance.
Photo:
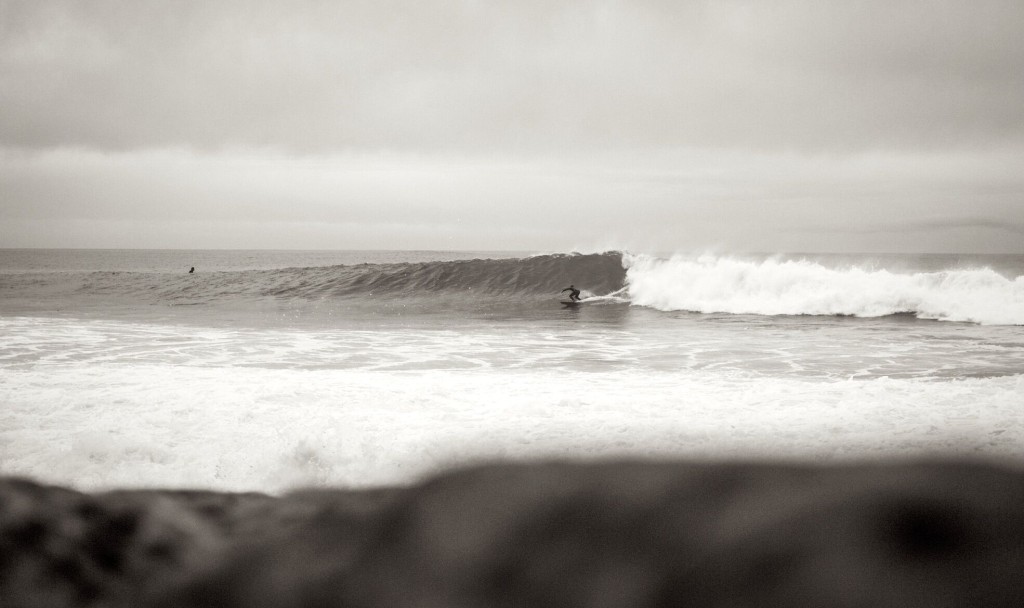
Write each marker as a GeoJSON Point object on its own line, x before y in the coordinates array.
{"type": "Point", "coordinates": [677, 125]}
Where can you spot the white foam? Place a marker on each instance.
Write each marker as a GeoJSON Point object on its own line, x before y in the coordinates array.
{"type": "Point", "coordinates": [796, 287]}
{"type": "Point", "coordinates": [98, 404]}
{"type": "Point", "coordinates": [829, 351]}
{"type": "Point", "coordinates": [234, 428]}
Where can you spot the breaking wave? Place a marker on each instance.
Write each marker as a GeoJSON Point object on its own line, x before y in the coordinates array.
{"type": "Point", "coordinates": [697, 283]}
{"type": "Point", "coordinates": [713, 284]}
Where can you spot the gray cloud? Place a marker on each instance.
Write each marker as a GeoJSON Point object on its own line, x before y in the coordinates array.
{"type": "Point", "coordinates": [696, 199]}
{"type": "Point", "coordinates": [478, 76]}
{"type": "Point", "coordinates": [792, 125]}
{"type": "Point", "coordinates": [931, 225]}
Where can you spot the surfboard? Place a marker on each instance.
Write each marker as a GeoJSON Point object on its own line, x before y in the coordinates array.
{"type": "Point", "coordinates": [571, 303]}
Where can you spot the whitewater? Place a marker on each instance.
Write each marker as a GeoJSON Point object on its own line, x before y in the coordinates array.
{"type": "Point", "coordinates": [272, 370]}
{"type": "Point", "coordinates": [803, 287]}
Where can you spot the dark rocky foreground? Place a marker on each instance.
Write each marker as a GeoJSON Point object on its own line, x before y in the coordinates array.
{"type": "Point", "coordinates": [623, 534]}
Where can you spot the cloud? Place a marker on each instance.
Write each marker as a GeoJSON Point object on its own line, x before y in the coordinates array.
{"type": "Point", "coordinates": [682, 200]}
{"type": "Point", "coordinates": [519, 77]}
{"type": "Point", "coordinates": [941, 224]}
{"type": "Point", "coordinates": [748, 125]}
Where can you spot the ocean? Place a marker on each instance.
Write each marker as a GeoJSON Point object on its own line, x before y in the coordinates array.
{"type": "Point", "coordinates": [270, 370]}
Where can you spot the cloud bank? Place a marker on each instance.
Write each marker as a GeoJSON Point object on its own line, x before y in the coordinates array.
{"type": "Point", "coordinates": [667, 124]}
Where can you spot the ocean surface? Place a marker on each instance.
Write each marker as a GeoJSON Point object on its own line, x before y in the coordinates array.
{"type": "Point", "coordinates": [268, 370]}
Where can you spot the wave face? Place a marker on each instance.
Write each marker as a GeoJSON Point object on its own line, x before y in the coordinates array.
{"type": "Point", "coordinates": [523, 278]}
{"type": "Point", "coordinates": [542, 275]}
{"type": "Point", "coordinates": [713, 284]}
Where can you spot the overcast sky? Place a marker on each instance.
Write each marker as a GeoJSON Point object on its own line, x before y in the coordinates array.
{"type": "Point", "coordinates": [536, 125]}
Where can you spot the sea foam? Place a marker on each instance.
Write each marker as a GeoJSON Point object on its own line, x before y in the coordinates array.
{"type": "Point", "coordinates": [242, 428]}
{"type": "Point", "coordinates": [710, 284]}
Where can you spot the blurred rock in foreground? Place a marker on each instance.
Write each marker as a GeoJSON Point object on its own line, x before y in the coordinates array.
{"type": "Point", "coordinates": [606, 535]}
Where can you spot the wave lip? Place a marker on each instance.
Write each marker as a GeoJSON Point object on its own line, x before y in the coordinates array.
{"type": "Point", "coordinates": [714, 284]}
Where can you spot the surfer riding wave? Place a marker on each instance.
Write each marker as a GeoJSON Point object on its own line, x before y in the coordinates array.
{"type": "Point", "coordinates": [574, 294]}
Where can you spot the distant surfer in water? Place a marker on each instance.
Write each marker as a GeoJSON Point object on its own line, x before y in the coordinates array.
{"type": "Point", "coordinates": [191, 270]}
{"type": "Point", "coordinates": [574, 294]}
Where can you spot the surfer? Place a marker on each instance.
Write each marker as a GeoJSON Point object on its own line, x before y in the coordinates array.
{"type": "Point", "coordinates": [574, 294]}
{"type": "Point", "coordinates": [191, 270]}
